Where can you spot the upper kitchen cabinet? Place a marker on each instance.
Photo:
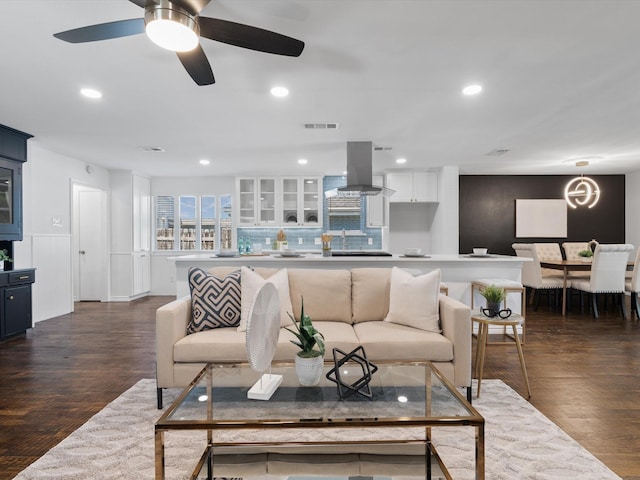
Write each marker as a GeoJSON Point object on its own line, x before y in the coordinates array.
{"type": "Point", "coordinates": [413, 186]}
{"type": "Point", "coordinates": [256, 201]}
{"type": "Point", "coordinates": [301, 202]}
{"type": "Point", "coordinates": [13, 153]}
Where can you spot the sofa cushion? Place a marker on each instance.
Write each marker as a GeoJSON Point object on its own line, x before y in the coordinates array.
{"type": "Point", "coordinates": [370, 293]}
{"type": "Point", "coordinates": [327, 294]}
{"type": "Point", "coordinates": [413, 301]}
{"type": "Point", "coordinates": [251, 283]}
{"type": "Point", "coordinates": [215, 302]}
{"type": "Point", "coordinates": [336, 335]}
{"type": "Point", "coordinates": [391, 341]}
{"type": "Point", "coordinates": [219, 345]}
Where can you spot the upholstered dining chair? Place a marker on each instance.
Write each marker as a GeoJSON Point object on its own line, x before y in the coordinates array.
{"type": "Point", "coordinates": [632, 285]}
{"type": "Point", "coordinates": [548, 251]}
{"type": "Point", "coordinates": [571, 249]}
{"type": "Point", "coordinates": [532, 273]}
{"type": "Point", "coordinates": [608, 269]}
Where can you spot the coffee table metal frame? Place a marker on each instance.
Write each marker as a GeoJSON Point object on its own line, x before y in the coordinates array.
{"type": "Point", "coordinates": [209, 424]}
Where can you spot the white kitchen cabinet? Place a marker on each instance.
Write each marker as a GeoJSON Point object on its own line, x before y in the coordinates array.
{"type": "Point", "coordinates": [256, 201]}
{"type": "Point", "coordinates": [130, 263]}
{"type": "Point", "coordinates": [300, 202]}
{"type": "Point", "coordinates": [375, 206]}
{"type": "Point", "coordinates": [413, 186]}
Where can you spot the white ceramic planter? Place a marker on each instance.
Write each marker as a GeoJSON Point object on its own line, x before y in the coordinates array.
{"type": "Point", "coordinates": [309, 370]}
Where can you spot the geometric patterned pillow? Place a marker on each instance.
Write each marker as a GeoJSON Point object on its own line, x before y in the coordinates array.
{"type": "Point", "coordinates": [215, 302]}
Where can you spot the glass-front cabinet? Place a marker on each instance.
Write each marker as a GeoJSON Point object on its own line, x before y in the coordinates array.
{"type": "Point", "coordinates": [301, 201]}
{"type": "Point", "coordinates": [256, 201]}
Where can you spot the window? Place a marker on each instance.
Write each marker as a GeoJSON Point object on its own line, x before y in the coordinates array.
{"type": "Point", "coordinates": [205, 222]}
{"type": "Point", "coordinates": [164, 223]}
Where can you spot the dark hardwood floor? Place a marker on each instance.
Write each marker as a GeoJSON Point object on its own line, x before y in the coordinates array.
{"type": "Point", "coordinates": [584, 374]}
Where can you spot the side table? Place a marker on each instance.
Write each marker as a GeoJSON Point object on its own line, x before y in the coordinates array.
{"type": "Point", "coordinates": [483, 329]}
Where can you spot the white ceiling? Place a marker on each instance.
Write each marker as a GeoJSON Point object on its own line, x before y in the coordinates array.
{"type": "Point", "coordinates": [561, 81]}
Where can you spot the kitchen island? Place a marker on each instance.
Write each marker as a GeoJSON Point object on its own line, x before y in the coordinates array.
{"type": "Point", "coordinates": [458, 271]}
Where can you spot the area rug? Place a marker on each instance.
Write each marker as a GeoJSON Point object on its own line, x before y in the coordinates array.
{"type": "Point", "coordinates": [118, 443]}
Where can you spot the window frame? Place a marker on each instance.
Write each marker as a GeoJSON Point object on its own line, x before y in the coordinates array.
{"type": "Point", "coordinates": [220, 217]}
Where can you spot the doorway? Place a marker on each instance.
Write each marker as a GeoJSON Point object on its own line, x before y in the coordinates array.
{"type": "Point", "coordinates": [89, 250]}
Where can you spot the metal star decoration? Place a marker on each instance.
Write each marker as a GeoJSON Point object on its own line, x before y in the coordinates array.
{"type": "Point", "coordinates": [361, 385]}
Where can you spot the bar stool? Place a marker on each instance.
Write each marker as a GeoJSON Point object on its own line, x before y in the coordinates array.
{"type": "Point", "coordinates": [507, 286]}
{"type": "Point", "coordinates": [483, 328]}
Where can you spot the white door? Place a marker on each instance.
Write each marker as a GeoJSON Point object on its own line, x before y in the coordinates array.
{"type": "Point", "coordinates": [90, 236]}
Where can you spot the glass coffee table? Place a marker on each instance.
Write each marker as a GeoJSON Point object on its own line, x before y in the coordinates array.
{"type": "Point", "coordinates": [403, 395]}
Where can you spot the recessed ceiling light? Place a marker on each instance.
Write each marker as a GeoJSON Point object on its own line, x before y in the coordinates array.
{"type": "Point", "coordinates": [279, 92]}
{"type": "Point", "coordinates": [204, 161]}
{"type": "Point", "coordinates": [303, 161]}
{"type": "Point", "coordinates": [91, 93]}
{"type": "Point", "coordinates": [401, 160]}
{"type": "Point", "coordinates": [472, 89]}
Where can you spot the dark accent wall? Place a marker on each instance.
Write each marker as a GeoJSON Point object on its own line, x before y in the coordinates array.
{"type": "Point", "coordinates": [488, 210]}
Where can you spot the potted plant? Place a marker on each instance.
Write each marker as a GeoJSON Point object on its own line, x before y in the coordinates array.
{"type": "Point", "coordinates": [585, 255]}
{"type": "Point", "coordinates": [310, 359]}
{"type": "Point", "coordinates": [494, 297]}
{"type": "Point", "coordinates": [4, 257]}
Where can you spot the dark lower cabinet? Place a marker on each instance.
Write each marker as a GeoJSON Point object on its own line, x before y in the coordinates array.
{"type": "Point", "coordinates": [15, 302]}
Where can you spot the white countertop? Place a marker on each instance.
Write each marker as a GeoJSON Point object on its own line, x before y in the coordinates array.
{"type": "Point", "coordinates": [306, 257]}
{"type": "Point", "coordinates": [457, 270]}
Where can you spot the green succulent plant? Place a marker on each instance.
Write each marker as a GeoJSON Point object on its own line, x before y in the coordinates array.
{"type": "Point", "coordinates": [585, 253]}
{"type": "Point", "coordinates": [307, 335]}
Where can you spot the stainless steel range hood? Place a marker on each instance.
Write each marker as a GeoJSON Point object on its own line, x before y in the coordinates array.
{"type": "Point", "coordinates": [360, 171]}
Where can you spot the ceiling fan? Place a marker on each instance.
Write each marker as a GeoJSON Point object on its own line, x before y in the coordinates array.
{"type": "Point", "coordinates": [177, 25]}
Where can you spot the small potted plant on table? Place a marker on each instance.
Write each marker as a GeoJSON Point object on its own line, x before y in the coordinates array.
{"type": "Point", "coordinates": [310, 359]}
{"type": "Point", "coordinates": [585, 255]}
{"type": "Point", "coordinates": [494, 296]}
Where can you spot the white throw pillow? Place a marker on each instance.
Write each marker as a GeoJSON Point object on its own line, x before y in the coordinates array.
{"type": "Point", "coordinates": [413, 301]}
{"type": "Point", "coordinates": [250, 284]}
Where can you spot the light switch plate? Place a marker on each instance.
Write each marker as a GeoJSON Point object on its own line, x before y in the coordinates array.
{"type": "Point", "coordinates": [300, 242]}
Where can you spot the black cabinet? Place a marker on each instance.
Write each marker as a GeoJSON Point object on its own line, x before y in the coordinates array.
{"type": "Point", "coordinates": [15, 301]}
{"type": "Point", "coordinates": [13, 153]}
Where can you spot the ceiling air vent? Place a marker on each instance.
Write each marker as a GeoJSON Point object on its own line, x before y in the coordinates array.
{"type": "Point", "coordinates": [151, 149]}
{"type": "Point", "coordinates": [497, 152]}
{"type": "Point", "coordinates": [321, 126]}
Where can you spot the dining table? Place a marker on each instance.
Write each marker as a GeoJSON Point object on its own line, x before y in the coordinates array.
{"type": "Point", "coordinates": [568, 266]}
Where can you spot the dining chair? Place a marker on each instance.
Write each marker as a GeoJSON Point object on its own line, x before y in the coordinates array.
{"type": "Point", "coordinates": [632, 285]}
{"type": "Point", "coordinates": [608, 269]}
{"type": "Point", "coordinates": [532, 274]}
{"type": "Point", "coordinates": [571, 249]}
{"type": "Point", "coordinates": [548, 251]}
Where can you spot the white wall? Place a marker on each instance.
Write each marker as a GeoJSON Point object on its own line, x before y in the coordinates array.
{"type": "Point", "coordinates": [632, 209]}
{"type": "Point", "coordinates": [163, 270]}
{"type": "Point", "coordinates": [445, 229]}
{"type": "Point", "coordinates": [430, 226]}
{"type": "Point", "coordinates": [47, 240]}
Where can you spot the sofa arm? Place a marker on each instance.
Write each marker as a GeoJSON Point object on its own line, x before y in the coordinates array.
{"type": "Point", "coordinates": [455, 319]}
{"type": "Point", "coordinates": [171, 325]}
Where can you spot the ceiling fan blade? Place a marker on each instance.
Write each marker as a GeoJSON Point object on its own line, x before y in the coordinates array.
{"type": "Point", "coordinates": [249, 37]}
{"type": "Point", "coordinates": [140, 3]}
{"type": "Point", "coordinates": [197, 65]}
{"type": "Point", "coordinates": [103, 31]}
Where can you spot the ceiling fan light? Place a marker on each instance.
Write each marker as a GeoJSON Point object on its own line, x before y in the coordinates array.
{"type": "Point", "coordinates": [171, 28]}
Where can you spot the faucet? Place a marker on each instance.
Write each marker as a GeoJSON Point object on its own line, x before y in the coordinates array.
{"type": "Point", "coordinates": [344, 239]}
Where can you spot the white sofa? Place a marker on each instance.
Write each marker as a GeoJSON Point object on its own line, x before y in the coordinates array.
{"type": "Point", "coordinates": [347, 306]}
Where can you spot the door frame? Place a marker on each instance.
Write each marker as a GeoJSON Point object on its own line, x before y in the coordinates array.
{"type": "Point", "coordinates": [77, 186]}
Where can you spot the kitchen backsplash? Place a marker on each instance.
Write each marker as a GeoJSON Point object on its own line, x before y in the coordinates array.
{"type": "Point", "coordinates": [305, 238]}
